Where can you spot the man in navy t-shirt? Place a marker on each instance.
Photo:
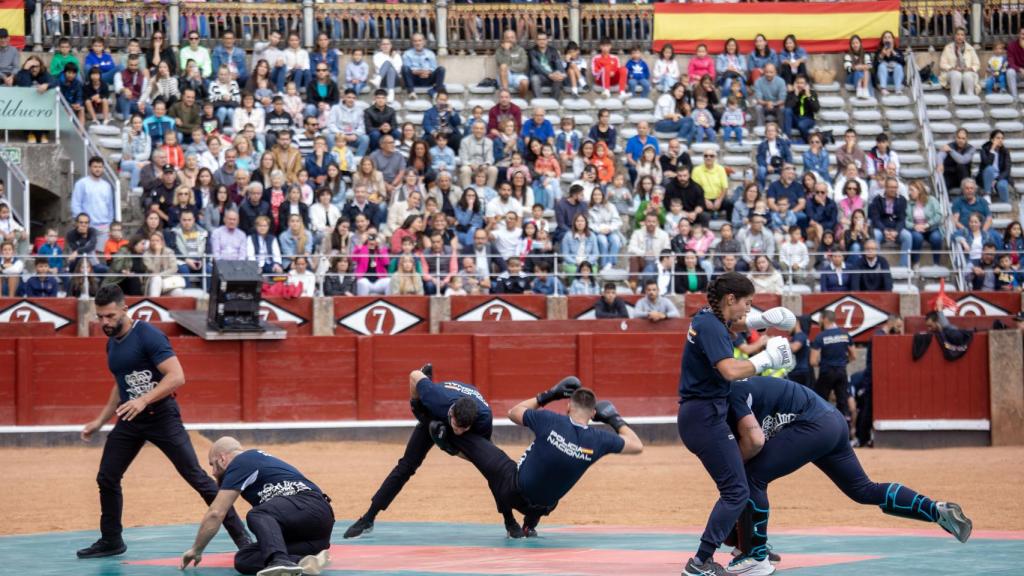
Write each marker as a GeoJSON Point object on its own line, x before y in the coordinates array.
{"type": "Point", "coordinates": [832, 350]}
{"type": "Point", "coordinates": [564, 447]}
{"type": "Point", "coordinates": [291, 517]}
{"type": "Point", "coordinates": [782, 426]}
{"type": "Point", "coordinates": [800, 346]}
{"type": "Point", "coordinates": [430, 401]}
{"type": "Point", "coordinates": [146, 375]}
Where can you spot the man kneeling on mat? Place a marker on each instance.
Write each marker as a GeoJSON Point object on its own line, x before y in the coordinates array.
{"type": "Point", "coordinates": [291, 518]}
{"type": "Point", "coordinates": [564, 448]}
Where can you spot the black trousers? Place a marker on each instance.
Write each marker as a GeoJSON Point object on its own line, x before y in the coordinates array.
{"type": "Point", "coordinates": [831, 379]}
{"type": "Point", "coordinates": [286, 528]}
{"type": "Point", "coordinates": [161, 425]}
{"type": "Point", "coordinates": [502, 475]}
{"type": "Point", "coordinates": [416, 450]}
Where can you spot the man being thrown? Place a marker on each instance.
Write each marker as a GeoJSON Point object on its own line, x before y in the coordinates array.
{"type": "Point", "coordinates": [291, 517]}
{"type": "Point", "coordinates": [564, 448]}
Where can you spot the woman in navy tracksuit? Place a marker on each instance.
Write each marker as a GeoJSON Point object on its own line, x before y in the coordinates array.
{"type": "Point", "coordinates": [707, 370]}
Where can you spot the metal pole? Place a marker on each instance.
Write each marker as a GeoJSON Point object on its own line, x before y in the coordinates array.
{"type": "Point", "coordinates": [976, 21]}
{"type": "Point", "coordinates": [441, 23]}
{"type": "Point", "coordinates": [174, 23]}
{"type": "Point", "coordinates": [37, 27]}
{"type": "Point", "coordinates": [574, 21]}
{"type": "Point", "coordinates": [308, 23]}
{"type": "Point", "coordinates": [27, 210]}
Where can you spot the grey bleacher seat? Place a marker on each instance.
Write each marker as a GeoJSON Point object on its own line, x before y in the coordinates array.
{"type": "Point", "coordinates": [616, 119]}
{"type": "Point", "coordinates": [943, 128]}
{"type": "Point", "coordinates": [998, 99]}
{"type": "Point", "coordinates": [966, 100]}
{"type": "Point", "coordinates": [457, 104]}
{"type": "Point", "coordinates": [481, 90]}
{"type": "Point", "coordinates": [799, 148]}
{"type": "Point", "coordinates": [969, 113]}
{"type": "Point", "coordinates": [104, 130]}
{"type": "Point", "coordinates": [583, 119]}
{"type": "Point", "coordinates": [904, 128]}
{"type": "Point", "coordinates": [1001, 223]}
{"type": "Point", "coordinates": [827, 88]}
{"type": "Point", "coordinates": [833, 116]}
{"type": "Point", "coordinates": [868, 129]}
{"type": "Point", "coordinates": [900, 273]}
{"type": "Point", "coordinates": [716, 225]}
{"type": "Point", "coordinates": [109, 142]}
{"type": "Point", "coordinates": [867, 115]}
{"type": "Point", "coordinates": [906, 159]}
{"type": "Point", "coordinates": [523, 104]}
{"type": "Point", "coordinates": [568, 177]}
{"type": "Point", "coordinates": [576, 105]}
{"type": "Point", "coordinates": [866, 145]}
{"type": "Point", "coordinates": [638, 117]}
{"type": "Point", "coordinates": [1014, 143]}
{"type": "Point", "coordinates": [1000, 208]}
{"type": "Point", "coordinates": [420, 90]}
{"type": "Point", "coordinates": [904, 288]}
{"type": "Point", "coordinates": [1016, 156]}
{"type": "Point", "coordinates": [898, 115]}
{"type": "Point", "coordinates": [639, 104]}
{"type": "Point", "coordinates": [700, 147]}
{"type": "Point", "coordinates": [912, 173]}
{"type": "Point", "coordinates": [484, 103]}
{"type": "Point", "coordinates": [627, 133]}
{"type": "Point", "coordinates": [905, 145]}
{"type": "Point", "coordinates": [798, 159]}
{"type": "Point", "coordinates": [976, 127]}
{"type": "Point", "coordinates": [1004, 113]}
{"type": "Point", "coordinates": [759, 131]}
{"type": "Point", "coordinates": [939, 114]}
{"type": "Point", "coordinates": [363, 105]}
{"type": "Point", "coordinates": [414, 117]}
{"type": "Point", "coordinates": [1010, 126]}
{"type": "Point", "coordinates": [421, 105]}
{"type": "Point", "coordinates": [864, 103]}
{"type": "Point", "coordinates": [933, 272]}
{"type": "Point", "coordinates": [932, 287]}
{"type": "Point", "coordinates": [746, 146]}
{"type": "Point", "coordinates": [397, 106]}
{"type": "Point", "coordinates": [837, 130]}
{"type": "Point", "coordinates": [831, 101]}
{"type": "Point", "coordinates": [548, 104]}
{"type": "Point", "coordinates": [114, 158]}
{"type": "Point", "coordinates": [895, 100]}
{"type": "Point", "coordinates": [613, 275]}
{"type": "Point", "coordinates": [738, 160]}
{"type": "Point", "coordinates": [454, 88]}
{"type": "Point", "coordinates": [936, 100]}
{"type": "Point", "coordinates": [612, 104]}
{"type": "Point", "coordinates": [553, 118]}
{"type": "Point", "coordinates": [1017, 172]}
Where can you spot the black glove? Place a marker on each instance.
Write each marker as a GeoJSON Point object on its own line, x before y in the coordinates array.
{"type": "Point", "coordinates": [564, 389]}
{"type": "Point", "coordinates": [607, 413]}
{"type": "Point", "coordinates": [428, 371]}
{"type": "Point", "coordinates": [441, 434]}
{"type": "Point", "coordinates": [419, 411]}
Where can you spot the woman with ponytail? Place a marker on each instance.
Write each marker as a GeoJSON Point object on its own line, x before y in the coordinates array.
{"type": "Point", "coordinates": [707, 373]}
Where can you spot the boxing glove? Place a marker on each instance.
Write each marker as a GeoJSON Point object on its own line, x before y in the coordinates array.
{"type": "Point", "coordinates": [564, 389]}
{"type": "Point", "coordinates": [606, 413]}
{"type": "Point", "coordinates": [778, 317]}
{"type": "Point", "coordinates": [776, 354]}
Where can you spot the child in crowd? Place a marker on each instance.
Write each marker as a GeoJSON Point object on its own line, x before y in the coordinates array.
{"type": "Point", "coordinates": [997, 64]}
{"type": "Point", "coordinates": [544, 282]}
{"type": "Point", "coordinates": [11, 267]}
{"type": "Point", "coordinates": [638, 74]}
{"type": "Point", "coordinates": [71, 88]}
{"type": "Point", "coordinates": [733, 121]}
{"type": "Point", "coordinates": [1007, 275]}
{"type": "Point", "coordinates": [704, 122]}
{"type": "Point", "coordinates": [175, 154]}
{"type": "Point", "coordinates": [52, 251]}
{"type": "Point", "coordinates": [701, 64]}
{"type": "Point", "coordinates": [208, 121]}
{"type": "Point", "coordinates": [305, 187]}
{"type": "Point", "coordinates": [604, 162]}
{"type": "Point", "coordinates": [567, 142]}
{"type": "Point", "coordinates": [344, 156]}
{"type": "Point", "coordinates": [666, 69]}
{"type": "Point", "coordinates": [607, 70]}
{"type": "Point", "coordinates": [621, 196]}
{"type": "Point", "coordinates": [455, 287]}
{"type": "Point", "coordinates": [293, 103]}
{"type": "Point", "coordinates": [477, 115]}
{"type": "Point", "coordinates": [442, 158]}
{"type": "Point", "coordinates": [575, 68]}
{"type": "Point", "coordinates": [483, 192]}
{"type": "Point", "coordinates": [537, 218]}
{"type": "Point", "coordinates": [516, 166]}
{"type": "Point", "coordinates": [793, 256]}
{"type": "Point", "coordinates": [42, 285]}
{"type": "Point", "coordinates": [506, 144]}
{"type": "Point", "coordinates": [782, 219]}
{"type": "Point", "coordinates": [96, 94]}
{"type": "Point", "coordinates": [115, 241]}
{"type": "Point", "coordinates": [357, 72]}
{"type": "Point", "coordinates": [549, 172]}
{"type": "Point", "coordinates": [674, 215]}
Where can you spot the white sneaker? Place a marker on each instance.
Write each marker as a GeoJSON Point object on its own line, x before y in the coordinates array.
{"type": "Point", "coordinates": [391, 95]}
{"type": "Point", "coordinates": [623, 95]}
{"type": "Point", "coordinates": [606, 94]}
{"type": "Point", "coordinates": [314, 565]}
{"type": "Point", "coordinates": [748, 566]}
{"type": "Point", "coordinates": [576, 92]}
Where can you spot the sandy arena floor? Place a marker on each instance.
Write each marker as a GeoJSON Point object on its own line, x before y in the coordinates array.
{"type": "Point", "coordinates": [55, 490]}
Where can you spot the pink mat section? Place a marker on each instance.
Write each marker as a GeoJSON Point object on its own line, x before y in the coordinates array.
{"type": "Point", "coordinates": [511, 560]}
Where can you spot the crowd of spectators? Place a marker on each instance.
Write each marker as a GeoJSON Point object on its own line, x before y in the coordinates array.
{"type": "Point", "coordinates": [297, 159]}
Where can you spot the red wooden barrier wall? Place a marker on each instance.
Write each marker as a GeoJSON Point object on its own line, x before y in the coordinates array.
{"type": "Point", "coordinates": [499, 308]}
{"type": "Point", "coordinates": [915, 324]}
{"type": "Point", "coordinates": [298, 312]}
{"type": "Point", "coordinates": [694, 302]}
{"type": "Point", "coordinates": [977, 303]}
{"type": "Point", "coordinates": [582, 307]}
{"type": "Point", "coordinates": [932, 387]}
{"type": "Point", "coordinates": [60, 314]}
{"type": "Point", "coordinates": [857, 312]}
{"type": "Point", "coordinates": [609, 326]}
{"type": "Point", "coordinates": [371, 316]}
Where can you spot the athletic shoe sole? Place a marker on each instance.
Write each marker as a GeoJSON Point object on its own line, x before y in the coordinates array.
{"type": "Point", "coordinates": [763, 568]}
{"type": "Point", "coordinates": [953, 520]}
{"type": "Point", "coordinates": [314, 565]}
{"type": "Point", "coordinates": [281, 571]}
{"type": "Point", "coordinates": [105, 553]}
{"type": "Point", "coordinates": [363, 532]}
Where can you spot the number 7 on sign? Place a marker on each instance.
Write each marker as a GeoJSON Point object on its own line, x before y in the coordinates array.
{"type": "Point", "coordinates": [380, 314]}
{"type": "Point", "coordinates": [848, 310]}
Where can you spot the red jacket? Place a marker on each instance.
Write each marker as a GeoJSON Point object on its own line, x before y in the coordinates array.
{"type": "Point", "coordinates": [1015, 54]}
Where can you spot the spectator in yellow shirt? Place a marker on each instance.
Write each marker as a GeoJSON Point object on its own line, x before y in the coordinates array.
{"type": "Point", "coordinates": [712, 178]}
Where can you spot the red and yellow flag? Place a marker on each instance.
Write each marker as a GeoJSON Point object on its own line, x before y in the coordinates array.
{"type": "Point", "coordinates": [818, 26]}
{"type": "Point", "coordinates": [12, 17]}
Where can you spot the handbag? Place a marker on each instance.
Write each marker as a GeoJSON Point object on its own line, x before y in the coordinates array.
{"type": "Point", "coordinates": [175, 282]}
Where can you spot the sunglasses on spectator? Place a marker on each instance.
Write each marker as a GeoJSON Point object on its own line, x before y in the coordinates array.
{"type": "Point", "coordinates": [321, 69]}
{"type": "Point", "coordinates": [193, 37]}
{"type": "Point", "coordinates": [709, 155]}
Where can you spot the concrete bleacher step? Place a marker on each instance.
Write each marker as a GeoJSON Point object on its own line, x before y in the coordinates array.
{"type": "Point", "coordinates": [867, 115]}
{"type": "Point", "coordinates": [895, 100]}
{"type": "Point", "coordinates": [826, 88]}
{"type": "Point", "coordinates": [906, 145]}
{"type": "Point", "coordinates": [914, 173]}
{"type": "Point", "coordinates": [637, 117]}
{"type": "Point", "coordinates": [616, 119]}
{"type": "Point", "coordinates": [939, 114]}
{"type": "Point", "coordinates": [481, 90]}
{"type": "Point", "coordinates": [577, 105]}
{"type": "Point", "coordinates": [548, 104]}
{"type": "Point", "coordinates": [868, 129]}
{"type": "Point", "coordinates": [944, 128]}
{"type": "Point", "coordinates": [610, 104]}
{"type": "Point", "coordinates": [934, 272]}
{"type": "Point", "coordinates": [831, 102]}
{"type": "Point", "coordinates": [1014, 143]}
{"type": "Point", "coordinates": [898, 115]}
{"type": "Point", "coordinates": [639, 104]}
{"type": "Point", "coordinates": [966, 100]}
{"type": "Point", "coordinates": [969, 113]}
{"type": "Point", "coordinates": [864, 102]}
{"type": "Point", "coordinates": [1010, 126]}
{"type": "Point", "coordinates": [998, 99]}
{"type": "Point", "coordinates": [831, 115]}
{"type": "Point", "coordinates": [901, 128]}
{"type": "Point", "coordinates": [1003, 113]}
{"type": "Point", "coordinates": [481, 102]}
{"type": "Point", "coordinates": [977, 127]}
{"type": "Point", "coordinates": [105, 130]}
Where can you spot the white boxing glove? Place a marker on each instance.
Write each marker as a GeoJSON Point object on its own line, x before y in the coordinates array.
{"type": "Point", "coordinates": [778, 317]}
{"type": "Point", "coordinates": [776, 354]}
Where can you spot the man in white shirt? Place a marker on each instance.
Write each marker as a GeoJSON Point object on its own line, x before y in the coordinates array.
{"type": "Point", "coordinates": [477, 152]}
{"type": "Point", "coordinates": [346, 121]}
{"type": "Point", "coordinates": [506, 238]}
{"type": "Point", "coordinates": [272, 53]}
{"type": "Point", "coordinates": [504, 203]}
{"type": "Point", "coordinates": [653, 306]}
{"type": "Point", "coordinates": [194, 51]}
{"type": "Point", "coordinates": [646, 244]}
{"type": "Point", "coordinates": [296, 62]}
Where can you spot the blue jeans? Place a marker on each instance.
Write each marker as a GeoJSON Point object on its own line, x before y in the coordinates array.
{"type": "Point", "coordinates": [126, 107]}
{"type": "Point", "coordinates": [358, 87]}
{"type": "Point", "coordinates": [388, 76]}
{"type": "Point", "coordinates": [934, 239]}
{"type": "Point", "coordinates": [682, 127]}
{"type": "Point", "coordinates": [643, 83]}
{"type": "Point", "coordinates": [732, 131]}
{"type": "Point", "coordinates": [906, 243]}
{"type": "Point", "coordinates": [993, 81]}
{"type": "Point", "coordinates": [435, 80]}
{"type": "Point", "coordinates": [609, 245]}
{"type": "Point", "coordinates": [361, 144]}
{"type": "Point", "coordinates": [278, 75]}
{"type": "Point", "coordinates": [702, 134]}
{"type": "Point", "coordinates": [664, 84]}
{"type": "Point", "coordinates": [890, 79]}
{"type": "Point", "coordinates": [134, 168]}
{"type": "Point", "coordinates": [854, 79]}
{"type": "Point", "coordinates": [989, 178]}
{"type": "Point", "coordinates": [225, 114]}
{"type": "Point", "coordinates": [804, 124]}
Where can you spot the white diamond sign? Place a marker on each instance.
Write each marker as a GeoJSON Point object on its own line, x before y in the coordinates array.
{"type": "Point", "coordinates": [271, 312]}
{"type": "Point", "coordinates": [971, 305]}
{"type": "Point", "coordinates": [854, 315]}
{"type": "Point", "coordinates": [26, 311]}
{"type": "Point", "coordinates": [495, 310]}
{"type": "Point", "coordinates": [149, 311]}
{"type": "Point", "coordinates": [379, 317]}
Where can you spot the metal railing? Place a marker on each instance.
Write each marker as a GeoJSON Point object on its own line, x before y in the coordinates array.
{"type": "Point", "coordinates": [926, 23]}
{"type": "Point", "coordinates": [16, 193]}
{"type": "Point", "coordinates": [626, 25]}
{"type": "Point", "coordinates": [363, 25]}
{"type": "Point", "coordinates": [114, 21]}
{"type": "Point", "coordinates": [79, 148]}
{"type": "Point", "coordinates": [249, 21]}
{"type": "Point", "coordinates": [957, 258]}
{"type": "Point", "coordinates": [479, 27]}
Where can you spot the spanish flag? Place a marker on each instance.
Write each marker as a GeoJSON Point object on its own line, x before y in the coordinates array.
{"type": "Point", "coordinates": [12, 17]}
{"type": "Point", "coordinates": [818, 26]}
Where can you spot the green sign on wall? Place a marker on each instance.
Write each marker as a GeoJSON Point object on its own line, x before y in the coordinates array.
{"type": "Point", "coordinates": [27, 109]}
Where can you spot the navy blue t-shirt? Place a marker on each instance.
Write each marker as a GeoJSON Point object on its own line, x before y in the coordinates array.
{"type": "Point", "coordinates": [834, 345]}
{"type": "Point", "coordinates": [260, 477]}
{"type": "Point", "coordinates": [133, 359]}
{"type": "Point", "coordinates": [803, 356]}
{"type": "Point", "coordinates": [438, 398]}
{"type": "Point", "coordinates": [868, 360]}
{"type": "Point", "coordinates": [560, 454]}
{"type": "Point", "coordinates": [794, 192]}
{"type": "Point", "coordinates": [774, 402]}
{"type": "Point", "coordinates": [707, 343]}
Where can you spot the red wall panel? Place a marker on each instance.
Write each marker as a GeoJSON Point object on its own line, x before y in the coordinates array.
{"type": "Point", "coordinates": [521, 366]}
{"type": "Point", "coordinates": [579, 305]}
{"type": "Point", "coordinates": [8, 379]}
{"type": "Point", "coordinates": [323, 389]}
{"type": "Point", "coordinates": [859, 313]}
{"type": "Point", "coordinates": [213, 380]}
{"type": "Point", "coordinates": [977, 303]}
{"type": "Point", "coordinates": [372, 316]}
{"type": "Point", "coordinates": [642, 369]}
{"type": "Point", "coordinates": [932, 387]}
{"type": "Point", "coordinates": [61, 314]}
{"type": "Point", "coordinates": [63, 381]}
{"type": "Point", "coordinates": [499, 308]}
{"type": "Point", "coordinates": [545, 327]}
{"type": "Point", "coordinates": [391, 358]}
{"type": "Point", "coordinates": [694, 302]}
{"type": "Point", "coordinates": [295, 314]}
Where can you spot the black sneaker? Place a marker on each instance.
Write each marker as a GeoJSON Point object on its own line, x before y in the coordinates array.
{"type": "Point", "coordinates": [530, 526]}
{"type": "Point", "coordinates": [709, 568]}
{"type": "Point", "coordinates": [514, 530]}
{"type": "Point", "coordinates": [281, 568]}
{"type": "Point", "coordinates": [361, 527]}
{"type": "Point", "coordinates": [103, 548]}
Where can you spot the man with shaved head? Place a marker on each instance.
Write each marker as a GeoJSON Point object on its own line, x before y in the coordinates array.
{"type": "Point", "coordinates": [291, 517]}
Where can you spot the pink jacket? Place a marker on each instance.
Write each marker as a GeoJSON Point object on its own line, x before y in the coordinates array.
{"type": "Point", "coordinates": [698, 67]}
{"type": "Point", "coordinates": [361, 256]}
